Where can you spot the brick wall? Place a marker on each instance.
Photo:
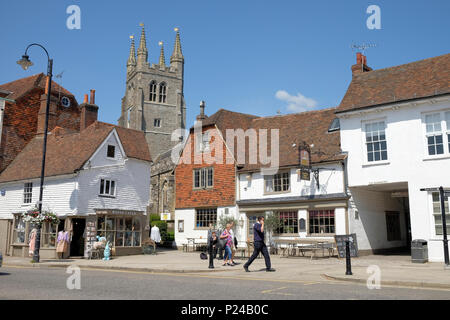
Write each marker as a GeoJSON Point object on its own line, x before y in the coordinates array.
{"type": "Point", "coordinates": [20, 123]}
{"type": "Point", "coordinates": [224, 191]}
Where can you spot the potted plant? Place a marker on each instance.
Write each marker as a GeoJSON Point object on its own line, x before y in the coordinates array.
{"type": "Point", "coordinates": [272, 223]}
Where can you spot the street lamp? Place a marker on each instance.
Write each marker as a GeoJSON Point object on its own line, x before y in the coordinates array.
{"type": "Point", "coordinates": [25, 63]}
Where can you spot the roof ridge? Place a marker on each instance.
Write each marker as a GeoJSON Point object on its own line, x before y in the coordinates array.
{"type": "Point", "coordinates": [296, 113]}
{"type": "Point", "coordinates": [20, 79]}
{"type": "Point", "coordinates": [400, 65]}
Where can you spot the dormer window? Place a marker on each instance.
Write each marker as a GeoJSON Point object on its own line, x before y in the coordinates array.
{"type": "Point", "coordinates": [111, 152]}
{"type": "Point", "coordinates": [335, 125]}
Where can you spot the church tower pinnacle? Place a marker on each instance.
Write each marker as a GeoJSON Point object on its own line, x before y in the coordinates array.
{"type": "Point", "coordinates": [131, 63]}
{"type": "Point", "coordinates": [162, 59]}
{"type": "Point", "coordinates": [142, 52]}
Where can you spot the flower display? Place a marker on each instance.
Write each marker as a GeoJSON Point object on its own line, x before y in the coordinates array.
{"type": "Point", "coordinates": [32, 216]}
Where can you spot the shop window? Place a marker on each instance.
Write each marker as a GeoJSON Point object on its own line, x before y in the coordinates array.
{"type": "Point", "coordinates": [48, 235]}
{"type": "Point", "coordinates": [28, 193]}
{"type": "Point", "coordinates": [322, 222]}
{"type": "Point", "coordinates": [205, 217]}
{"type": "Point", "coordinates": [277, 183]}
{"type": "Point", "coordinates": [289, 222]}
{"type": "Point", "coordinates": [120, 232]}
{"type": "Point", "coordinates": [20, 230]}
{"type": "Point", "coordinates": [393, 226]}
{"type": "Point", "coordinates": [437, 212]}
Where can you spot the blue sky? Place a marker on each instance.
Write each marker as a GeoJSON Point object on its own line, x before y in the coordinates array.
{"type": "Point", "coordinates": [238, 54]}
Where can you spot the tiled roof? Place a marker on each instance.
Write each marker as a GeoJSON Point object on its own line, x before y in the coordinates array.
{"type": "Point", "coordinates": [420, 79]}
{"type": "Point", "coordinates": [310, 127]}
{"type": "Point", "coordinates": [21, 86]}
{"type": "Point", "coordinates": [67, 151]}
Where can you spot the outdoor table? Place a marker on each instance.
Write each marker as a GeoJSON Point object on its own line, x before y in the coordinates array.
{"type": "Point", "coordinates": [303, 245]}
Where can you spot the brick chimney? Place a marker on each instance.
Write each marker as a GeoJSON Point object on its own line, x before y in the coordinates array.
{"type": "Point", "coordinates": [52, 116]}
{"type": "Point", "coordinates": [89, 111]}
{"type": "Point", "coordinates": [361, 64]}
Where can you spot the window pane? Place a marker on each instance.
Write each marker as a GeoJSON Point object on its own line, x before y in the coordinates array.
{"type": "Point", "coordinates": [438, 139]}
{"type": "Point", "coordinates": [440, 149]}
{"type": "Point", "coordinates": [107, 182]}
{"type": "Point", "coordinates": [119, 239]}
{"type": "Point", "coordinates": [370, 158]}
{"type": "Point", "coordinates": [102, 186]}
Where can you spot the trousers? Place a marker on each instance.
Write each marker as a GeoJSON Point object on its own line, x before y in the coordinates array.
{"type": "Point", "coordinates": [260, 247]}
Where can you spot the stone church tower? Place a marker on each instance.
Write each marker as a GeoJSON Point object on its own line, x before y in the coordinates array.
{"type": "Point", "coordinates": [154, 100]}
{"type": "Point", "coordinates": [154, 103]}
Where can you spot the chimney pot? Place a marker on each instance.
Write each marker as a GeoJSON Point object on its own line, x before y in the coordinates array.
{"type": "Point", "coordinates": [92, 97]}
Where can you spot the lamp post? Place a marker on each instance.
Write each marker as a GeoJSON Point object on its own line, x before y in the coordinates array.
{"type": "Point", "coordinates": [25, 63]}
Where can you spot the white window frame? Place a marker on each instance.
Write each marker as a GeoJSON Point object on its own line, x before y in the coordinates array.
{"type": "Point", "coordinates": [103, 193]}
{"type": "Point", "coordinates": [435, 133]}
{"type": "Point", "coordinates": [28, 193]}
{"type": "Point", "coordinates": [366, 143]}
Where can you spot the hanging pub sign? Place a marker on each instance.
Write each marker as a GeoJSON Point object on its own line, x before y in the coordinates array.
{"type": "Point", "coordinates": [305, 162]}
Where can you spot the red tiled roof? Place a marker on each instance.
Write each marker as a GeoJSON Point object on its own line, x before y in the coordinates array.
{"type": "Point", "coordinates": [310, 127]}
{"type": "Point", "coordinates": [294, 129]}
{"type": "Point", "coordinates": [21, 86]}
{"type": "Point", "coordinates": [67, 152]}
{"type": "Point", "coordinates": [420, 79]}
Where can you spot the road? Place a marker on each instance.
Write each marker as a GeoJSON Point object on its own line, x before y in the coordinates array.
{"type": "Point", "coordinates": [51, 283]}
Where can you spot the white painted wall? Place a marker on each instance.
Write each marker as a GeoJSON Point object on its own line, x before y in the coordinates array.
{"type": "Point", "coordinates": [79, 194]}
{"type": "Point", "coordinates": [408, 160]}
{"type": "Point", "coordinates": [60, 196]}
{"type": "Point", "coordinates": [331, 179]}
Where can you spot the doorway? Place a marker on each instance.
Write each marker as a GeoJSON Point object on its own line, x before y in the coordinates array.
{"type": "Point", "coordinates": [77, 244]}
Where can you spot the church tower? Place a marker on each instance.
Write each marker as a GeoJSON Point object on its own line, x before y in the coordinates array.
{"type": "Point", "coordinates": [154, 98]}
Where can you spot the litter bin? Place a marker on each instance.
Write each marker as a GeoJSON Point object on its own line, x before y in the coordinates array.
{"type": "Point", "coordinates": [419, 251]}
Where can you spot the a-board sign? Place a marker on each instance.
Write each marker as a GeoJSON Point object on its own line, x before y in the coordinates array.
{"type": "Point", "coordinates": [340, 245]}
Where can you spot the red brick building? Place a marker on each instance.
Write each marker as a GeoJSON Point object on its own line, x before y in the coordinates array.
{"type": "Point", "coordinates": [21, 103]}
{"type": "Point", "coordinates": [206, 175]}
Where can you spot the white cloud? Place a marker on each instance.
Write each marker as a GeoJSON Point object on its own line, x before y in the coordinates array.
{"type": "Point", "coordinates": [298, 103]}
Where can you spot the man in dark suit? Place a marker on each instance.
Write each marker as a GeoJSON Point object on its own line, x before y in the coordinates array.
{"type": "Point", "coordinates": [260, 246]}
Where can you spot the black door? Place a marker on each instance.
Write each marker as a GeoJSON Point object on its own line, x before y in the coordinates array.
{"type": "Point", "coordinates": [77, 244]}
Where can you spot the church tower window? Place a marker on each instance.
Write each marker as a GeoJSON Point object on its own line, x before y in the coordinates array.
{"type": "Point", "coordinates": [162, 92]}
{"type": "Point", "coordinates": [153, 91]}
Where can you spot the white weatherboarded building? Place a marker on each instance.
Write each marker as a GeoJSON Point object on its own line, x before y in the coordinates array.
{"type": "Point", "coordinates": [395, 127]}
{"type": "Point", "coordinates": [97, 182]}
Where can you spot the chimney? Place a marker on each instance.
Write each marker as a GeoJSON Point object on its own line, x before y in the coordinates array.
{"type": "Point", "coordinates": [361, 64]}
{"type": "Point", "coordinates": [89, 111]}
{"type": "Point", "coordinates": [52, 116]}
{"type": "Point", "coordinates": [202, 115]}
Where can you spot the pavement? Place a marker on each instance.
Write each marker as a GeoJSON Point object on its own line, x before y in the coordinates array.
{"type": "Point", "coordinates": [393, 270]}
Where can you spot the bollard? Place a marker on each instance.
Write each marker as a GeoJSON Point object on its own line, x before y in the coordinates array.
{"type": "Point", "coordinates": [348, 259]}
{"type": "Point", "coordinates": [211, 252]}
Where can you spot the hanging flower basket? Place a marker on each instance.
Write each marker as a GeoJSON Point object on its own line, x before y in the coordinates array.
{"type": "Point", "coordinates": [33, 217]}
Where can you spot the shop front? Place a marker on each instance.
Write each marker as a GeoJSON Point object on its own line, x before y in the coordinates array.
{"type": "Point", "coordinates": [298, 217]}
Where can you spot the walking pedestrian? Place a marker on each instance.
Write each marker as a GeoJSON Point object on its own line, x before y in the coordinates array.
{"type": "Point", "coordinates": [212, 248]}
{"type": "Point", "coordinates": [228, 244]}
{"type": "Point", "coordinates": [260, 246]}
